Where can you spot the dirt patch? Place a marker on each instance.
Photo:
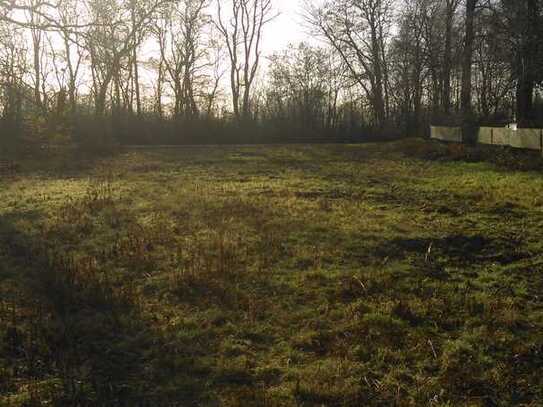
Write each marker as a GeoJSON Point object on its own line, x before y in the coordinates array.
{"type": "Point", "coordinates": [459, 249]}
{"type": "Point", "coordinates": [442, 202]}
{"type": "Point", "coordinates": [506, 210]}
{"type": "Point", "coordinates": [331, 194]}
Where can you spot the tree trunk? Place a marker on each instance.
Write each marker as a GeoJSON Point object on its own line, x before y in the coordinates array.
{"type": "Point", "coordinates": [467, 110]}
{"type": "Point", "coordinates": [160, 79]}
{"type": "Point", "coordinates": [36, 40]}
{"type": "Point", "coordinates": [378, 96]}
{"type": "Point", "coordinates": [135, 63]}
{"type": "Point", "coordinates": [447, 58]}
{"type": "Point", "coordinates": [526, 65]}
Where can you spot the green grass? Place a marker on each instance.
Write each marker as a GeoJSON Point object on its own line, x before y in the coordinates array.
{"type": "Point", "coordinates": [271, 276]}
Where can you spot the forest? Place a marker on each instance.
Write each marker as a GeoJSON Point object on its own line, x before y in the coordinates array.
{"type": "Point", "coordinates": [97, 73]}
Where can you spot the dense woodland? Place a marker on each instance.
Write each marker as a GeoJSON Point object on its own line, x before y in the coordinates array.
{"type": "Point", "coordinates": [102, 72]}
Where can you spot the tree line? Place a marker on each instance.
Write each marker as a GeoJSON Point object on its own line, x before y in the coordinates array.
{"type": "Point", "coordinates": [98, 72]}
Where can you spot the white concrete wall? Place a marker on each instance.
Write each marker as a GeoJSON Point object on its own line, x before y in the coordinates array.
{"type": "Point", "coordinates": [485, 135]}
{"type": "Point", "coordinates": [522, 138]}
{"type": "Point", "coordinates": [452, 134]}
{"type": "Point", "coordinates": [527, 138]}
{"type": "Point", "coordinates": [502, 136]}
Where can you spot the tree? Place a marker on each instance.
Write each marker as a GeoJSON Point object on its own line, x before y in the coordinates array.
{"type": "Point", "coordinates": [493, 76]}
{"type": "Point", "coordinates": [183, 51]}
{"type": "Point", "coordinates": [13, 67]}
{"type": "Point", "coordinates": [450, 10]}
{"type": "Point", "coordinates": [303, 90]}
{"type": "Point", "coordinates": [110, 41]}
{"type": "Point", "coordinates": [410, 60]}
{"type": "Point", "coordinates": [523, 23]}
{"type": "Point", "coordinates": [359, 31]}
{"type": "Point", "coordinates": [242, 34]}
{"type": "Point", "coordinates": [467, 60]}
{"type": "Point", "coordinates": [73, 50]}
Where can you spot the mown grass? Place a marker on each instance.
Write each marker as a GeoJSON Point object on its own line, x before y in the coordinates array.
{"type": "Point", "coordinates": [271, 276]}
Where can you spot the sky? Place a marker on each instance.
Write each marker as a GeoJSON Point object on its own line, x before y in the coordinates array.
{"type": "Point", "coordinates": [287, 28]}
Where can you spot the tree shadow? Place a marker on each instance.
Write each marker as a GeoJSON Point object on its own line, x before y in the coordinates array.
{"type": "Point", "coordinates": [461, 249]}
{"type": "Point", "coordinates": [83, 338]}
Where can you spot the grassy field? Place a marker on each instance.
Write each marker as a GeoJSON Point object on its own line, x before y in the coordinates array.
{"type": "Point", "coordinates": [271, 276]}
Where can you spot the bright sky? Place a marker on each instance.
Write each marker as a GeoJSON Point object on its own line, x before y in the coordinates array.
{"type": "Point", "coordinates": [287, 28]}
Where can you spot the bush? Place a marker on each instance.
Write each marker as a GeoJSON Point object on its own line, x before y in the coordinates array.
{"type": "Point", "coordinates": [426, 150]}
{"type": "Point", "coordinates": [94, 134]}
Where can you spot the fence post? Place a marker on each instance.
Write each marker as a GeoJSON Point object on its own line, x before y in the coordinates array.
{"type": "Point", "coordinates": [491, 136]}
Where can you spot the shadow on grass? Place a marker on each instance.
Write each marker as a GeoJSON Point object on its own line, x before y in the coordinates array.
{"type": "Point", "coordinates": [74, 337]}
{"type": "Point", "coordinates": [503, 158]}
{"type": "Point", "coordinates": [458, 249]}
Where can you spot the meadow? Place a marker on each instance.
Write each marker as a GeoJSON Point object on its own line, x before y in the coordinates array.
{"type": "Point", "coordinates": [328, 275]}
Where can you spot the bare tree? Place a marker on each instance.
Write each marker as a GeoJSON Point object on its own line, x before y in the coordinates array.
{"type": "Point", "coordinates": [13, 67]}
{"type": "Point", "coordinates": [73, 50]}
{"type": "Point", "coordinates": [242, 33]}
{"type": "Point", "coordinates": [110, 41]}
{"type": "Point", "coordinates": [183, 51]}
{"type": "Point", "coordinates": [35, 19]}
{"type": "Point", "coordinates": [304, 88]}
{"type": "Point", "coordinates": [467, 59]}
{"type": "Point", "coordinates": [216, 55]}
{"type": "Point", "coordinates": [358, 30]}
{"type": "Point", "coordinates": [524, 21]}
{"type": "Point", "coordinates": [451, 7]}
{"type": "Point", "coordinates": [137, 37]}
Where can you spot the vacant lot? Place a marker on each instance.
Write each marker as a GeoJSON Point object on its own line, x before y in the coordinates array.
{"type": "Point", "coordinates": [271, 276]}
